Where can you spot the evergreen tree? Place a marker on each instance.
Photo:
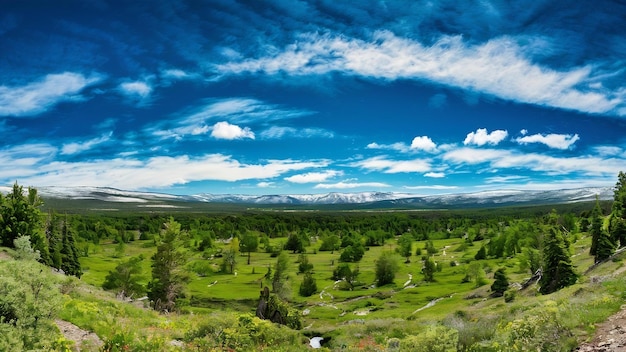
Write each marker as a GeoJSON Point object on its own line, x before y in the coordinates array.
{"type": "Point", "coordinates": [20, 216]}
{"type": "Point", "coordinates": [386, 269]}
{"type": "Point", "coordinates": [308, 286]}
{"type": "Point", "coordinates": [280, 284]}
{"type": "Point", "coordinates": [168, 274]}
{"type": "Point", "coordinates": [69, 254]}
{"type": "Point", "coordinates": [501, 283]}
{"type": "Point", "coordinates": [294, 243]}
{"type": "Point", "coordinates": [558, 271]}
{"type": "Point", "coordinates": [304, 265]}
{"type": "Point", "coordinates": [618, 212]}
{"type": "Point", "coordinates": [602, 245]}
{"type": "Point", "coordinates": [428, 270]}
{"type": "Point", "coordinates": [596, 226]}
{"type": "Point", "coordinates": [481, 254]}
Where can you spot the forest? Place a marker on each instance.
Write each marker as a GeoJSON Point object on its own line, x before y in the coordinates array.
{"type": "Point", "coordinates": [500, 279]}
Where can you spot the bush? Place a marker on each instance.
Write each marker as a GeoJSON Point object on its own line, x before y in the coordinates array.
{"type": "Point", "coordinates": [509, 296]}
{"type": "Point", "coordinates": [436, 338]}
{"type": "Point", "coordinates": [386, 269]}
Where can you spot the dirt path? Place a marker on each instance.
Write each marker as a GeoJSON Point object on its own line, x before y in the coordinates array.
{"type": "Point", "coordinates": [609, 336]}
{"type": "Point", "coordinates": [84, 340]}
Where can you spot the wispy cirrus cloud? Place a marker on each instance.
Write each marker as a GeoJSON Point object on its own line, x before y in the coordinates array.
{"type": "Point", "coordinates": [551, 165]}
{"type": "Point", "coordinates": [351, 185]}
{"type": "Point", "coordinates": [278, 132]}
{"type": "Point", "coordinates": [382, 164]}
{"type": "Point", "coordinates": [482, 137]}
{"type": "Point", "coordinates": [499, 67]}
{"type": "Point", "coordinates": [130, 173]}
{"type": "Point", "coordinates": [78, 147]}
{"type": "Point", "coordinates": [552, 140]}
{"type": "Point", "coordinates": [314, 177]}
{"type": "Point", "coordinates": [37, 97]}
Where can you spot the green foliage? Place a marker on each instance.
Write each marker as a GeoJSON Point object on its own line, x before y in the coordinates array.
{"type": "Point", "coordinates": [501, 283]}
{"type": "Point", "coordinates": [308, 286]}
{"type": "Point", "coordinates": [618, 211]}
{"type": "Point", "coordinates": [430, 248]}
{"type": "Point", "coordinates": [558, 271]}
{"type": "Point", "coordinates": [509, 296]}
{"type": "Point", "coordinates": [294, 243]}
{"type": "Point", "coordinates": [229, 261]}
{"type": "Point", "coordinates": [304, 265]}
{"type": "Point", "coordinates": [69, 253]}
{"type": "Point", "coordinates": [386, 269]}
{"type": "Point", "coordinates": [330, 243]}
{"type": "Point", "coordinates": [29, 301]}
{"type": "Point", "coordinates": [249, 243]}
{"type": "Point", "coordinates": [436, 338]}
{"type": "Point", "coordinates": [126, 277]}
{"type": "Point", "coordinates": [352, 253]}
{"type": "Point", "coordinates": [481, 254]}
{"type": "Point", "coordinates": [349, 276]}
{"type": "Point", "coordinates": [475, 272]}
{"type": "Point", "coordinates": [405, 246]}
{"type": "Point", "coordinates": [23, 250]}
{"type": "Point", "coordinates": [428, 269]}
{"type": "Point", "coordinates": [280, 284]}
{"type": "Point", "coordinates": [168, 274]}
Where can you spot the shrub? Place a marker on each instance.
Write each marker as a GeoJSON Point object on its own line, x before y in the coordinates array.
{"type": "Point", "coordinates": [436, 338]}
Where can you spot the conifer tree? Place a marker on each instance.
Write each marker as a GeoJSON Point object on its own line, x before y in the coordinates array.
{"type": "Point", "coordinates": [501, 283]}
{"type": "Point", "coordinates": [602, 245]}
{"type": "Point", "coordinates": [69, 254]}
{"type": "Point", "coordinates": [168, 274]}
{"type": "Point", "coordinates": [308, 285]}
{"type": "Point", "coordinates": [618, 212]}
{"type": "Point", "coordinates": [558, 271]}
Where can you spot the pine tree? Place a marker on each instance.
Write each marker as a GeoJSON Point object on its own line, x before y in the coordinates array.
{"type": "Point", "coordinates": [168, 274]}
{"type": "Point", "coordinates": [558, 271]}
{"type": "Point", "coordinates": [618, 212]}
{"type": "Point", "coordinates": [501, 283]}
{"type": "Point", "coordinates": [69, 254]}
{"type": "Point", "coordinates": [308, 285]}
{"type": "Point", "coordinates": [602, 245]}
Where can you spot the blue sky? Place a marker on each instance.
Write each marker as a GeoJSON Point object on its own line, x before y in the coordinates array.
{"type": "Point", "coordinates": [278, 97]}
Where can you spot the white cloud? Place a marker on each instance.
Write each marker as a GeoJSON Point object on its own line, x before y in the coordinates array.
{"type": "Point", "coordinates": [423, 143]}
{"type": "Point", "coordinates": [312, 177]}
{"type": "Point", "coordinates": [265, 184]}
{"type": "Point", "coordinates": [401, 147]}
{"type": "Point", "coordinates": [482, 137]}
{"type": "Point", "coordinates": [155, 172]}
{"type": "Point", "coordinates": [435, 174]}
{"type": "Point", "coordinates": [556, 141]}
{"type": "Point", "coordinates": [506, 159]}
{"type": "Point", "coordinates": [136, 89]}
{"type": "Point", "coordinates": [609, 150]}
{"type": "Point", "coordinates": [224, 130]}
{"type": "Point", "coordinates": [435, 187]}
{"type": "Point", "coordinates": [349, 185]}
{"type": "Point", "coordinates": [499, 67]}
{"type": "Point", "coordinates": [37, 97]}
{"type": "Point", "coordinates": [277, 132]}
{"type": "Point", "coordinates": [74, 147]}
{"type": "Point", "coordinates": [379, 163]}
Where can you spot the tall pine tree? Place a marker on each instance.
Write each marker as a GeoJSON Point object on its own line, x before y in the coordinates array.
{"type": "Point", "coordinates": [618, 212]}
{"type": "Point", "coordinates": [69, 254]}
{"type": "Point", "coordinates": [168, 273]}
{"type": "Point", "coordinates": [558, 271]}
{"type": "Point", "coordinates": [602, 245]}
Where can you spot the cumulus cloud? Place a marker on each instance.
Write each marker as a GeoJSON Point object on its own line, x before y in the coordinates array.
{"type": "Point", "coordinates": [499, 67]}
{"type": "Point", "coordinates": [37, 97]}
{"type": "Point", "coordinates": [224, 130]}
{"type": "Point", "coordinates": [482, 137]}
{"type": "Point", "coordinates": [552, 140]}
{"type": "Point", "coordinates": [136, 89]}
{"type": "Point", "coordinates": [423, 143]}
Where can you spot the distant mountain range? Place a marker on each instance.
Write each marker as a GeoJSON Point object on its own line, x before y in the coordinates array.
{"type": "Point", "coordinates": [358, 200]}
